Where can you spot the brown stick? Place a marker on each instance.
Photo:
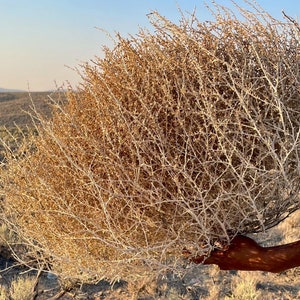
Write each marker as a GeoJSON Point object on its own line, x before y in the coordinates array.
{"type": "Point", "coordinates": [245, 254]}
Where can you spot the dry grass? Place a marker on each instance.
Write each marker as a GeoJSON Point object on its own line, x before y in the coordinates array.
{"type": "Point", "coordinates": [290, 229]}
{"type": "Point", "coordinates": [175, 139]}
{"type": "Point", "coordinates": [22, 288]}
{"type": "Point", "coordinates": [3, 293]}
{"type": "Point", "coordinates": [244, 287]}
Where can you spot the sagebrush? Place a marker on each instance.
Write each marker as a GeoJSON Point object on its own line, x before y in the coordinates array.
{"type": "Point", "coordinates": [177, 138]}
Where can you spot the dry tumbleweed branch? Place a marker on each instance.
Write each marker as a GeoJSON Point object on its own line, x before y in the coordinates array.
{"type": "Point", "coordinates": [177, 138]}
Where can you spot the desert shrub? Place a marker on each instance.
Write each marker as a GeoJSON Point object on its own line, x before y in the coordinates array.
{"type": "Point", "coordinates": [173, 140]}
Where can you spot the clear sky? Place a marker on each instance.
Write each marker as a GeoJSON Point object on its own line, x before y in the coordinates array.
{"type": "Point", "coordinates": [42, 40]}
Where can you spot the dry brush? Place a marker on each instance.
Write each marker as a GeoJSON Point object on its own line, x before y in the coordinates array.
{"type": "Point", "coordinates": [175, 139]}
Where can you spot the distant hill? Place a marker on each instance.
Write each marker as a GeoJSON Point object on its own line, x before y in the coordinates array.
{"type": "Point", "coordinates": [2, 90]}
{"type": "Point", "coordinates": [14, 106]}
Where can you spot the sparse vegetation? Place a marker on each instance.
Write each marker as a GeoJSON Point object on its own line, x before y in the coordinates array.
{"type": "Point", "coordinates": [22, 288]}
{"type": "Point", "coordinates": [3, 293]}
{"type": "Point", "coordinates": [244, 287]}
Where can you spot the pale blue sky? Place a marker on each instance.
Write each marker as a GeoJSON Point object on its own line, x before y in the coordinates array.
{"type": "Point", "coordinates": [40, 39]}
